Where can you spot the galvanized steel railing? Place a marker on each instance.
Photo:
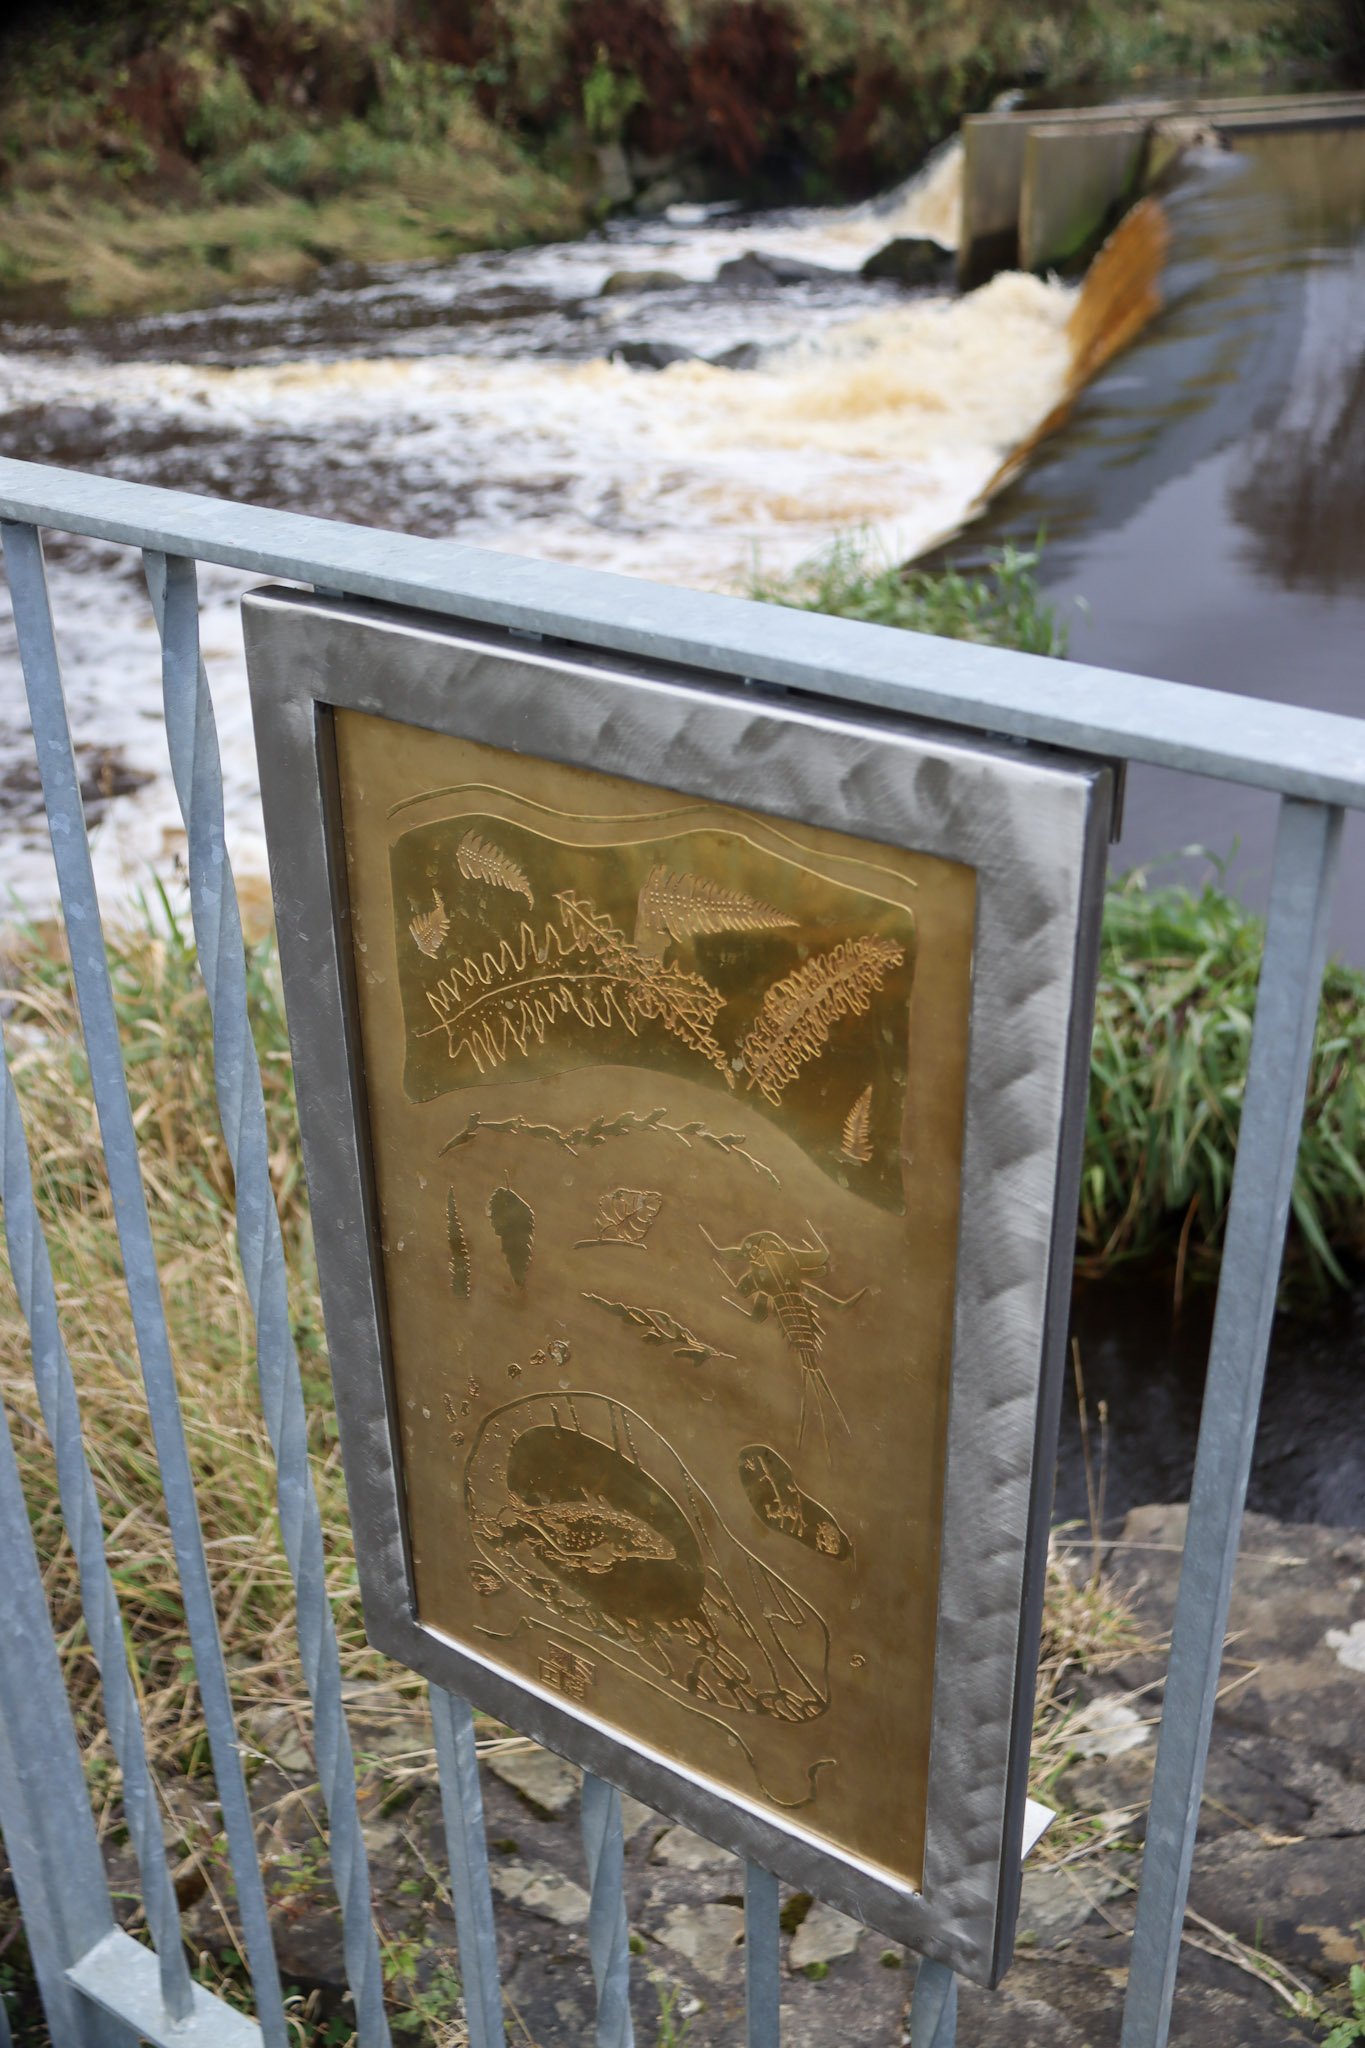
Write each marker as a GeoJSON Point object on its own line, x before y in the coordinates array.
{"type": "Point", "coordinates": [100, 1986]}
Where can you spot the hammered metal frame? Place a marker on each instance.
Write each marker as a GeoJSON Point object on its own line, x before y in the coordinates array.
{"type": "Point", "coordinates": [1034, 825]}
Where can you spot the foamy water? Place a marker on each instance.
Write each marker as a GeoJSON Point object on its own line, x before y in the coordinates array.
{"type": "Point", "coordinates": [883, 413]}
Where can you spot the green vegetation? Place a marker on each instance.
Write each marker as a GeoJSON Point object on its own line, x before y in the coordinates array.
{"type": "Point", "coordinates": [1168, 1069]}
{"type": "Point", "coordinates": [1348, 2031]}
{"type": "Point", "coordinates": [1176, 998]}
{"type": "Point", "coordinates": [174, 151]}
{"type": "Point", "coordinates": [1002, 608]}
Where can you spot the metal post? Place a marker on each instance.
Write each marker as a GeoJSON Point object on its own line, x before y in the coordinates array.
{"type": "Point", "coordinates": [1267, 1151]}
{"type": "Point", "coordinates": [467, 1852]}
{"type": "Point", "coordinates": [196, 769]}
{"type": "Point", "coordinates": [31, 1267]}
{"type": "Point", "coordinates": [94, 993]}
{"type": "Point", "coordinates": [44, 1809]}
{"type": "Point", "coordinates": [933, 2010]}
{"type": "Point", "coordinates": [762, 1959]}
{"type": "Point", "coordinates": [608, 1930]}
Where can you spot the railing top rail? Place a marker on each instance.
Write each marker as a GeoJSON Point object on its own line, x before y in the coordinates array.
{"type": "Point", "coordinates": [1318, 755]}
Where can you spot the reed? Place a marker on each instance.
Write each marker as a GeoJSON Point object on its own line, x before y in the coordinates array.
{"type": "Point", "coordinates": [1001, 607]}
{"type": "Point", "coordinates": [1177, 997]}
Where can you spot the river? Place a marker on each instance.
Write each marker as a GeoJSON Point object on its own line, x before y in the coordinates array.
{"type": "Point", "coordinates": [1204, 505]}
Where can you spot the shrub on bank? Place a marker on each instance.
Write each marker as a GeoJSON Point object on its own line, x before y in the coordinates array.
{"type": "Point", "coordinates": [119, 125]}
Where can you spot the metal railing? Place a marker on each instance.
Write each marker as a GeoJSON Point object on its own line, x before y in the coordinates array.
{"type": "Point", "coordinates": [101, 1986]}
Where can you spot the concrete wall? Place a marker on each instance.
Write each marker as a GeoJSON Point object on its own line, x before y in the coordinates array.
{"type": "Point", "coordinates": [1037, 185]}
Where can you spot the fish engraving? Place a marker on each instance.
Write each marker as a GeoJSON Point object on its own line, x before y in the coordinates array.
{"type": "Point", "coordinates": [582, 1536]}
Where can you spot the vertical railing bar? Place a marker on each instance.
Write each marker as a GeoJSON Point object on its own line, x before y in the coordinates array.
{"type": "Point", "coordinates": [192, 736]}
{"type": "Point", "coordinates": [604, 1846]}
{"type": "Point", "coordinates": [1287, 1001]}
{"type": "Point", "coordinates": [45, 1819]}
{"type": "Point", "coordinates": [31, 1266]}
{"type": "Point", "coordinates": [933, 2009]}
{"type": "Point", "coordinates": [457, 1761]}
{"type": "Point", "coordinates": [6, 2039]}
{"type": "Point", "coordinates": [762, 1959]}
{"type": "Point", "coordinates": [94, 994]}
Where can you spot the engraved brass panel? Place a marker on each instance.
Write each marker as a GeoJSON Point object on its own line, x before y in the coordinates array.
{"type": "Point", "coordinates": [666, 1105]}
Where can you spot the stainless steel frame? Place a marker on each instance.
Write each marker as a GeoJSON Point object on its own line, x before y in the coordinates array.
{"type": "Point", "coordinates": [1034, 827]}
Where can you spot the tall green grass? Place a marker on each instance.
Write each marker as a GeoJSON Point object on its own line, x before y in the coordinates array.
{"type": "Point", "coordinates": [1177, 990]}
{"type": "Point", "coordinates": [1177, 998]}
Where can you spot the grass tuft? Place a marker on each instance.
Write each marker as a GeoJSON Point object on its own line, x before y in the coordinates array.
{"type": "Point", "coordinates": [1003, 607]}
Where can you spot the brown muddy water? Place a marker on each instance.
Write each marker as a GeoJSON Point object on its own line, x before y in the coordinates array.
{"type": "Point", "coordinates": [1204, 505]}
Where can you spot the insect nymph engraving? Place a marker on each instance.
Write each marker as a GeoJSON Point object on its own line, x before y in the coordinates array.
{"type": "Point", "coordinates": [777, 1280]}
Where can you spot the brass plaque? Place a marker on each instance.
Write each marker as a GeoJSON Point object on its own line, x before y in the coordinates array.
{"type": "Point", "coordinates": [666, 1107]}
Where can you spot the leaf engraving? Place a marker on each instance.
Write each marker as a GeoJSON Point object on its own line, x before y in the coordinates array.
{"type": "Point", "coordinates": [857, 1144]}
{"type": "Point", "coordinates": [459, 1248]}
{"type": "Point", "coordinates": [509, 997]}
{"type": "Point", "coordinates": [799, 1011]}
{"type": "Point", "coordinates": [429, 930]}
{"type": "Point", "coordinates": [682, 905]}
{"type": "Point", "coordinates": [657, 1326]}
{"type": "Point", "coordinates": [480, 860]}
{"type": "Point", "coordinates": [514, 1223]}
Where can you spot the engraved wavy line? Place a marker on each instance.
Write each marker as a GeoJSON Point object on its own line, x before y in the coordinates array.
{"type": "Point", "coordinates": [711, 818]}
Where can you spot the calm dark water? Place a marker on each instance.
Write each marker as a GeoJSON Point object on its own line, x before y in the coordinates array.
{"type": "Point", "coordinates": [1144, 1363]}
{"type": "Point", "coordinates": [1205, 505]}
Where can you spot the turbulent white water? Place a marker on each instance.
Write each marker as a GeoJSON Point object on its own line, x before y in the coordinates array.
{"type": "Point", "coordinates": [481, 401]}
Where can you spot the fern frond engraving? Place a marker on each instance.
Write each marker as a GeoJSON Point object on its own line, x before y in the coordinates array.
{"type": "Point", "coordinates": [685, 1004]}
{"type": "Point", "coordinates": [429, 930]}
{"type": "Point", "coordinates": [684, 905]}
{"type": "Point", "coordinates": [459, 1249]}
{"type": "Point", "coordinates": [512, 996]}
{"type": "Point", "coordinates": [857, 1144]}
{"type": "Point", "coordinates": [799, 1011]}
{"type": "Point", "coordinates": [657, 1326]}
{"type": "Point", "coordinates": [479, 860]}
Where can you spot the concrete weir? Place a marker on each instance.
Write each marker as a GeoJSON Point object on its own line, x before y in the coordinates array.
{"type": "Point", "coordinates": [1041, 188]}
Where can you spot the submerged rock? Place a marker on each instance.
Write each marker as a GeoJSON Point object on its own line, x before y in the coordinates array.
{"type": "Point", "coordinates": [757, 271]}
{"type": "Point", "coordinates": [910, 259]}
{"type": "Point", "coordinates": [652, 355]}
{"type": "Point", "coordinates": [623, 281]}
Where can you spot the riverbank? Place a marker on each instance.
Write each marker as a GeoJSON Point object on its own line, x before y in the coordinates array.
{"type": "Point", "coordinates": [178, 155]}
